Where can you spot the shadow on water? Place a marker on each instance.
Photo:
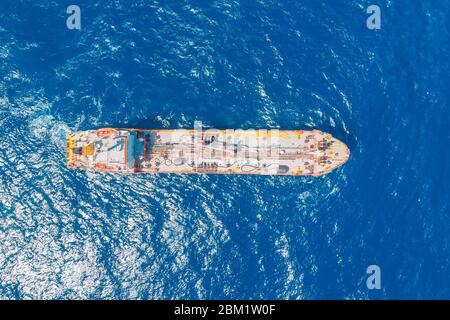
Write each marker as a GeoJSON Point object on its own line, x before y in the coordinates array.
{"type": "Point", "coordinates": [142, 124]}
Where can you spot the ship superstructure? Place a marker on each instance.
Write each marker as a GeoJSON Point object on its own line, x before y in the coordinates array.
{"type": "Point", "coordinates": [262, 152]}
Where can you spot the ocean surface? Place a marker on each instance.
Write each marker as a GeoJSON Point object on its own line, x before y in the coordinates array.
{"type": "Point", "coordinates": [303, 64]}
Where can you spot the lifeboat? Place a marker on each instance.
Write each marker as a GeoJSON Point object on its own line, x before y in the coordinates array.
{"type": "Point", "coordinates": [106, 132]}
{"type": "Point", "coordinates": [101, 166]}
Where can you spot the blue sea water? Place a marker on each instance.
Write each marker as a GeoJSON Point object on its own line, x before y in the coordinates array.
{"type": "Point", "coordinates": [299, 64]}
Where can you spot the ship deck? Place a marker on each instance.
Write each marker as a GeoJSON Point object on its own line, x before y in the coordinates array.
{"type": "Point", "coordinates": [272, 152]}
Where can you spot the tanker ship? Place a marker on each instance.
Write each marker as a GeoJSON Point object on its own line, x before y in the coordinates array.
{"type": "Point", "coordinates": [179, 151]}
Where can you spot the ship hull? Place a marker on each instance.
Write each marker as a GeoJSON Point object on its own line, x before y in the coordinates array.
{"type": "Point", "coordinates": [179, 151]}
